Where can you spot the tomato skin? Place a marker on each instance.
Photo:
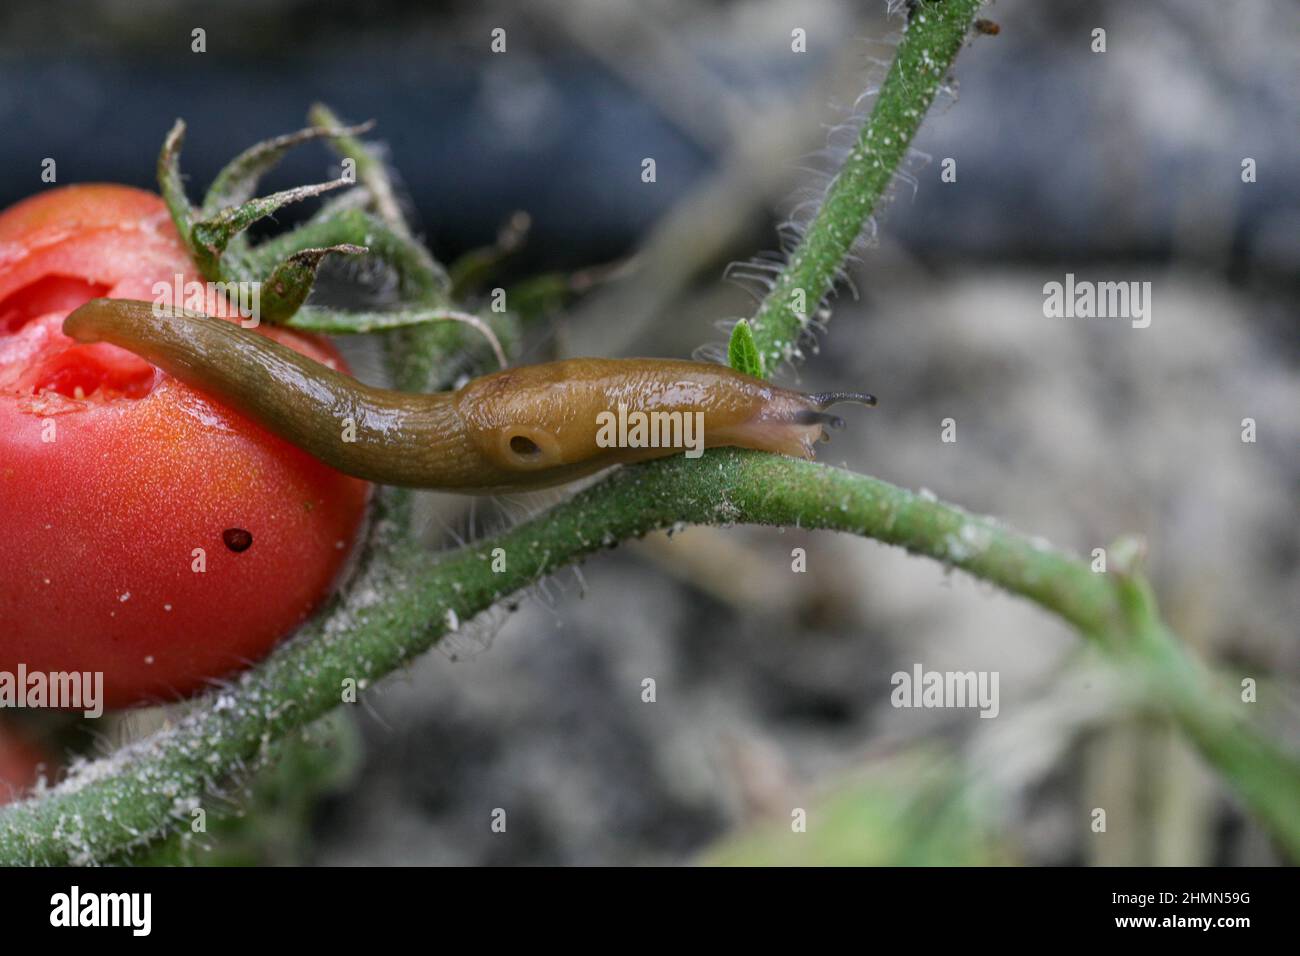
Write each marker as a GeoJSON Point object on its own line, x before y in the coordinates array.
{"type": "Point", "coordinates": [111, 504]}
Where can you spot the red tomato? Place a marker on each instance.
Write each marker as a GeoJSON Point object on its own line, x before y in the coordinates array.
{"type": "Point", "coordinates": [117, 482]}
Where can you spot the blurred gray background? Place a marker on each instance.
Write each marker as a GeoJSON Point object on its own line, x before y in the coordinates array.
{"type": "Point", "coordinates": [773, 687]}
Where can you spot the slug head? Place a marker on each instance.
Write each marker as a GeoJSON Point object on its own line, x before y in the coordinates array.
{"type": "Point", "coordinates": [542, 425]}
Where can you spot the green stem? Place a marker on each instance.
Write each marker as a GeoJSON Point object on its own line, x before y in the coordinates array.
{"type": "Point", "coordinates": [403, 604]}
{"type": "Point", "coordinates": [935, 32]}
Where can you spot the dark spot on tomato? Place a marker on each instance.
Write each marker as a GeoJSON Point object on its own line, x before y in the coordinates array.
{"type": "Point", "coordinates": [237, 539]}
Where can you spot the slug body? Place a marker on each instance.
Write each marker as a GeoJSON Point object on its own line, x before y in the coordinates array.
{"type": "Point", "coordinates": [514, 430]}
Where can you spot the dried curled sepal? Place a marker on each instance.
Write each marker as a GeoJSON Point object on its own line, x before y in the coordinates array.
{"type": "Point", "coordinates": [289, 284]}
{"type": "Point", "coordinates": [237, 181]}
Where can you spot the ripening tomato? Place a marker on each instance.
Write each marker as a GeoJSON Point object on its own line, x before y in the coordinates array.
{"type": "Point", "coordinates": [145, 531]}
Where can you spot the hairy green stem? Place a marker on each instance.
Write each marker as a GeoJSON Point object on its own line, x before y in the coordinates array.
{"type": "Point", "coordinates": [935, 32]}
{"type": "Point", "coordinates": [402, 604]}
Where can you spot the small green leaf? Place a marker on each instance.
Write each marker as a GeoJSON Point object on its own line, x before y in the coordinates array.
{"type": "Point", "coordinates": [742, 353]}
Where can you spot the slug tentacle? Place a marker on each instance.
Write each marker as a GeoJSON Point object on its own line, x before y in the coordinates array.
{"type": "Point", "coordinates": [812, 417]}
{"type": "Point", "coordinates": [827, 399]}
{"type": "Point", "coordinates": [517, 429]}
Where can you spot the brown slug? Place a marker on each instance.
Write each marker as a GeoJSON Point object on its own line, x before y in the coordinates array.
{"type": "Point", "coordinates": [515, 430]}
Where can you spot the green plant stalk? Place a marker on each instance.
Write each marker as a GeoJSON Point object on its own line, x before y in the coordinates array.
{"type": "Point", "coordinates": [402, 604]}
{"type": "Point", "coordinates": [935, 32]}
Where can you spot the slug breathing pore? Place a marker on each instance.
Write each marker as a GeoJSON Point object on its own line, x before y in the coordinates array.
{"type": "Point", "coordinates": [515, 430]}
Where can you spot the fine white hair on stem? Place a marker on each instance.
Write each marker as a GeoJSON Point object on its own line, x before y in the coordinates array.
{"type": "Point", "coordinates": [902, 175]}
{"type": "Point", "coordinates": [712, 351]}
{"type": "Point", "coordinates": [845, 144]}
{"type": "Point", "coordinates": [468, 318]}
{"type": "Point", "coordinates": [471, 638]}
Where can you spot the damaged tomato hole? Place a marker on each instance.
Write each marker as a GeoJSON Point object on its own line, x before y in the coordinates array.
{"type": "Point", "coordinates": [237, 539]}
{"type": "Point", "coordinates": [53, 293]}
{"type": "Point", "coordinates": [83, 370]}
